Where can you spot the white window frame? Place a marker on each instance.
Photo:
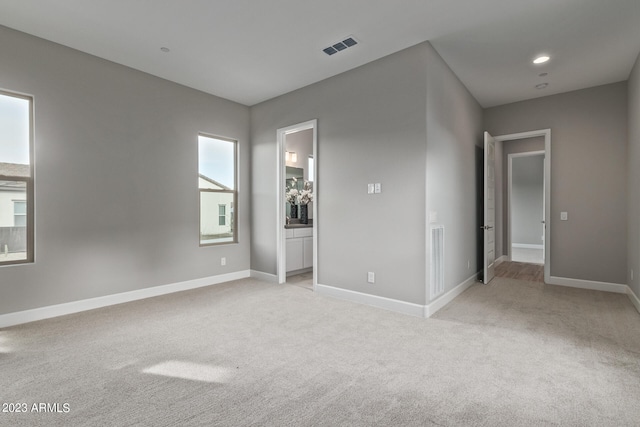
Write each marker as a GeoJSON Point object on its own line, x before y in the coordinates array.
{"type": "Point", "coordinates": [29, 182]}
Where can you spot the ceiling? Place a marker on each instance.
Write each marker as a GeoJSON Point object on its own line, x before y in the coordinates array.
{"type": "Point", "coordinates": [249, 51]}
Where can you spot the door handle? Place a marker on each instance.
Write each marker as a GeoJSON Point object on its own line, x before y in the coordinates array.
{"type": "Point", "coordinates": [486, 227]}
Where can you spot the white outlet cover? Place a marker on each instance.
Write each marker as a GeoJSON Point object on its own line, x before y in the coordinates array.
{"type": "Point", "coordinates": [378, 188]}
{"type": "Point", "coordinates": [371, 277]}
{"type": "Point", "coordinates": [564, 216]}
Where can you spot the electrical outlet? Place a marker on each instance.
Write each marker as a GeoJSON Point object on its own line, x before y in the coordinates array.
{"type": "Point", "coordinates": [564, 216]}
{"type": "Point", "coordinates": [371, 277]}
{"type": "Point", "coordinates": [223, 261]}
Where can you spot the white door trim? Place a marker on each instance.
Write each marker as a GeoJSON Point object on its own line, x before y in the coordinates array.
{"type": "Point", "coordinates": [546, 133]}
{"type": "Point", "coordinates": [281, 263]}
{"type": "Point", "coordinates": [510, 158]}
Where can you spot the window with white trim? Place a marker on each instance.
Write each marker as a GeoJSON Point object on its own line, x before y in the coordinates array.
{"type": "Point", "coordinates": [16, 178]}
{"type": "Point", "coordinates": [217, 175]}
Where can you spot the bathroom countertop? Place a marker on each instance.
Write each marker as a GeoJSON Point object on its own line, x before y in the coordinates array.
{"type": "Point", "coordinates": [299, 225]}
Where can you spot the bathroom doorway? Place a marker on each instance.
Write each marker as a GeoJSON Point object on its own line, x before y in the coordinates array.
{"type": "Point", "coordinates": [297, 205]}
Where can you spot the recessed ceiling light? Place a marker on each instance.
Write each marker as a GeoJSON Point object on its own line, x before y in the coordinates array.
{"type": "Point", "coordinates": [165, 49]}
{"type": "Point", "coordinates": [542, 85]}
{"type": "Point", "coordinates": [541, 59]}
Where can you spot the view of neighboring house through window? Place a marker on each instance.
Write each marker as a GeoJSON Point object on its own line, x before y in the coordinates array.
{"type": "Point", "coordinates": [217, 159]}
{"type": "Point", "coordinates": [16, 179]}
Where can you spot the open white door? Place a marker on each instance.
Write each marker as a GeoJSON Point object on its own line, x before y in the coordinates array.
{"type": "Point", "coordinates": [489, 222]}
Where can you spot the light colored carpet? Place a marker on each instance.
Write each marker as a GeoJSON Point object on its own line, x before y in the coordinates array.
{"type": "Point", "coordinates": [249, 353]}
{"type": "Point", "coordinates": [304, 280]}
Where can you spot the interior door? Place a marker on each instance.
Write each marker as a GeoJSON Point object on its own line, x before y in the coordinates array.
{"type": "Point", "coordinates": [489, 221]}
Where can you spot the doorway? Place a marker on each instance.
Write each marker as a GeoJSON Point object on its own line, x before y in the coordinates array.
{"type": "Point", "coordinates": [525, 207]}
{"type": "Point", "coordinates": [297, 218]}
{"type": "Point", "coordinates": [546, 232]}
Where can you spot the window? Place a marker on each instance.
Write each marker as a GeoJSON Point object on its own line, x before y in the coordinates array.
{"type": "Point", "coordinates": [311, 168]}
{"type": "Point", "coordinates": [217, 176]}
{"type": "Point", "coordinates": [16, 178]}
{"type": "Point", "coordinates": [222, 214]}
{"type": "Point", "coordinates": [19, 213]}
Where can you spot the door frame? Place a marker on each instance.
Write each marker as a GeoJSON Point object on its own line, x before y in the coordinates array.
{"type": "Point", "coordinates": [281, 258]}
{"type": "Point", "coordinates": [510, 158]}
{"type": "Point", "coordinates": [546, 133]}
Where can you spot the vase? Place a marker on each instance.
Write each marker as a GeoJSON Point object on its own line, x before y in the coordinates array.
{"type": "Point", "coordinates": [304, 214]}
{"type": "Point", "coordinates": [294, 211]}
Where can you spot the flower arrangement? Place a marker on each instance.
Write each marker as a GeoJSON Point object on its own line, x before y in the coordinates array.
{"type": "Point", "coordinates": [306, 195]}
{"type": "Point", "coordinates": [300, 197]}
{"type": "Point", "coordinates": [292, 192]}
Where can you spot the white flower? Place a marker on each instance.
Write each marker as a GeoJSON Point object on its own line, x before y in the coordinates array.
{"type": "Point", "coordinates": [301, 197]}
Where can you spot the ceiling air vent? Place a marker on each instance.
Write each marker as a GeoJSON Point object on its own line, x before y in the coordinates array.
{"type": "Point", "coordinates": [344, 44]}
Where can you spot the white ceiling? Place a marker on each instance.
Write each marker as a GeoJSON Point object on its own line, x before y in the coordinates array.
{"type": "Point", "coordinates": [253, 50]}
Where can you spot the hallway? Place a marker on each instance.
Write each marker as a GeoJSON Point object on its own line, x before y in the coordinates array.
{"type": "Point", "coordinates": [521, 271]}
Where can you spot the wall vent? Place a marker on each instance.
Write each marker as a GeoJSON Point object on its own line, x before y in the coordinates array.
{"type": "Point", "coordinates": [437, 261]}
{"type": "Point", "coordinates": [340, 46]}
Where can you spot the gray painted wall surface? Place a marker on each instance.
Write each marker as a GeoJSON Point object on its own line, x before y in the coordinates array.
{"type": "Point", "coordinates": [454, 138]}
{"type": "Point", "coordinates": [116, 177]}
{"type": "Point", "coordinates": [373, 123]}
{"type": "Point", "coordinates": [527, 206]}
{"type": "Point", "coordinates": [503, 149]}
{"type": "Point", "coordinates": [371, 128]}
{"type": "Point", "coordinates": [634, 178]}
{"type": "Point", "coordinates": [589, 176]}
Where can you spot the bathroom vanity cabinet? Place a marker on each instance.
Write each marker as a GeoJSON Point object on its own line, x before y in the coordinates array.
{"type": "Point", "coordinates": [299, 248]}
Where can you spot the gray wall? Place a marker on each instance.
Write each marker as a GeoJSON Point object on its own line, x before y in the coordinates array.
{"type": "Point", "coordinates": [454, 140]}
{"type": "Point", "coordinates": [116, 176]}
{"type": "Point", "coordinates": [589, 176]}
{"type": "Point", "coordinates": [527, 205]}
{"type": "Point", "coordinates": [634, 178]}
{"type": "Point", "coordinates": [372, 127]}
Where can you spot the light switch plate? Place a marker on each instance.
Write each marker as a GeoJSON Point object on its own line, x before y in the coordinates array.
{"type": "Point", "coordinates": [370, 188]}
{"type": "Point", "coordinates": [378, 188]}
{"type": "Point", "coordinates": [371, 277]}
{"type": "Point", "coordinates": [433, 217]}
{"type": "Point", "coordinates": [564, 216]}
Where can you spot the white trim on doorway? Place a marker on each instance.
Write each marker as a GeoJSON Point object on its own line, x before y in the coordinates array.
{"type": "Point", "coordinates": [546, 133]}
{"type": "Point", "coordinates": [281, 264]}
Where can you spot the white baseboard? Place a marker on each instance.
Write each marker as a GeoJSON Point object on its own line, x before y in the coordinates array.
{"type": "Point", "coordinates": [588, 284]}
{"type": "Point", "coordinates": [373, 300]}
{"type": "Point", "coordinates": [501, 259]}
{"type": "Point", "coordinates": [398, 306]}
{"type": "Point", "coordinates": [526, 246]}
{"type": "Point", "coordinates": [41, 313]}
{"type": "Point", "coordinates": [267, 277]}
{"type": "Point", "coordinates": [430, 309]}
{"type": "Point", "coordinates": [634, 298]}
